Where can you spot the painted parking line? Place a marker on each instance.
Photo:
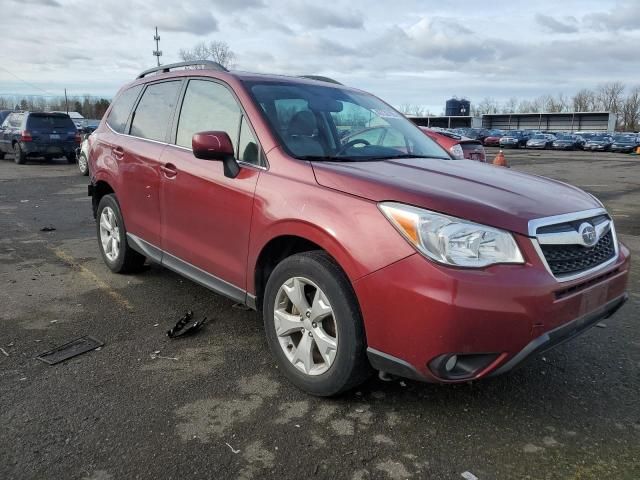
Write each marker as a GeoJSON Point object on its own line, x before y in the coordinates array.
{"type": "Point", "coordinates": [89, 275]}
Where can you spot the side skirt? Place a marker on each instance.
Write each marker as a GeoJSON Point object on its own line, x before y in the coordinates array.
{"type": "Point", "coordinates": [189, 271]}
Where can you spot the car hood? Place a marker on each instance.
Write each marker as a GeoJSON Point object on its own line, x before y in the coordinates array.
{"type": "Point", "coordinates": [483, 193]}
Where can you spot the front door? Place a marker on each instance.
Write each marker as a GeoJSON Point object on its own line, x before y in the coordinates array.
{"type": "Point", "coordinates": [206, 216]}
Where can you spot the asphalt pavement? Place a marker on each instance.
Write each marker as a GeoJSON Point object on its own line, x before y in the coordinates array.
{"type": "Point", "coordinates": [214, 406]}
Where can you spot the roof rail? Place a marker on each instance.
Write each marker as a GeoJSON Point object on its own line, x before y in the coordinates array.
{"type": "Point", "coordinates": [321, 78]}
{"type": "Point", "coordinates": [206, 64]}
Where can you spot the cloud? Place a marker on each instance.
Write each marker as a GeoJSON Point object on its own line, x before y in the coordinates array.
{"type": "Point", "coordinates": [623, 16]}
{"type": "Point", "coordinates": [318, 18]}
{"type": "Point", "coordinates": [555, 26]}
{"type": "Point", "coordinates": [233, 5]}
{"type": "Point", "coordinates": [48, 3]}
{"type": "Point", "coordinates": [198, 23]}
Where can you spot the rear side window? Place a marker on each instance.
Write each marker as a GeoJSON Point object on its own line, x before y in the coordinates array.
{"type": "Point", "coordinates": [49, 122]}
{"type": "Point", "coordinates": [153, 113]}
{"type": "Point", "coordinates": [207, 106]}
{"type": "Point", "coordinates": [121, 109]}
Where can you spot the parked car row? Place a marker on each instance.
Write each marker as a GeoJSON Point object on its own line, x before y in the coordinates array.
{"type": "Point", "coordinates": [593, 141]}
{"type": "Point", "coordinates": [26, 134]}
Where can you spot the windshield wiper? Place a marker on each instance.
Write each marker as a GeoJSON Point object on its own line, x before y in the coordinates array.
{"type": "Point", "coordinates": [406, 155]}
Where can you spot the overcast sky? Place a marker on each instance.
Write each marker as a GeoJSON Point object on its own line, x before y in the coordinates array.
{"type": "Point", "coordinates": [405, 51]}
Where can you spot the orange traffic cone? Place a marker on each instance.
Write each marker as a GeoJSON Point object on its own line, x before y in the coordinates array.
{"type": "Point", "coordinates": [500, 161]}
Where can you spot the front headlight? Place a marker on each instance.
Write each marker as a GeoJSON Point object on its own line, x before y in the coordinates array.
{"type": "Point", "coordinates": [450, 240]}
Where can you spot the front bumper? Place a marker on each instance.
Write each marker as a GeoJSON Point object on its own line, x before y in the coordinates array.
{"type": "Point", "coordinates": [416, 312]}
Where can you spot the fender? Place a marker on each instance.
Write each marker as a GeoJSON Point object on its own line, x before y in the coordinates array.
{"type": "Point", "coordinates": [308, 231]}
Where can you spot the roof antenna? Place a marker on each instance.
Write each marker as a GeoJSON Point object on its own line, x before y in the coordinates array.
{"type": "Point", "coordinates": [157, 52]}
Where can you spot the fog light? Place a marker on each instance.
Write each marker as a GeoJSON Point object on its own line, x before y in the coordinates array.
{"type": "Point", "coordinates": [460, 366]}
{"type": "Point", "coordinates": [451, 363]}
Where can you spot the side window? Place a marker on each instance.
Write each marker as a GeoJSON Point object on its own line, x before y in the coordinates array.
{"type": "Point", "coordinates": [153, 113]}
{"type": "Point", "coordinates": [248, 150]}
{"type": "Point", "coordinates": [121, 109]}
{"type": "Point", "coordinates": [207, 106]}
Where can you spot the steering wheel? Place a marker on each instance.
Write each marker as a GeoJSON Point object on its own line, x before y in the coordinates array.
{"type": "Point", "coordinates": [352, 143]}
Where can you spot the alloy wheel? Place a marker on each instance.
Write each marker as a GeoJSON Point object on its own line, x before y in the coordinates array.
{"type": "Point", "coordinates": [305, 326]}
{"type": "Point", "coordinates": [109, 234]}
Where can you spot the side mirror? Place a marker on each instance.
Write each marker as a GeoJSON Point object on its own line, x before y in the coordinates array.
{"type": "Point", "coordinates": [216, 146]}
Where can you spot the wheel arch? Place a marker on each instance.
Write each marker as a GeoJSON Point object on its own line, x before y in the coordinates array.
{"type": "Point", "coordinates": [290, 241]}
{"type": "Point", "coordinates": [100, 189]}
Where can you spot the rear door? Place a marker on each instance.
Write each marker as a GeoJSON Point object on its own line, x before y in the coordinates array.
{"type": "Point", "coordinates": [138, 155]}
{"type": "Point", "coordinates": [206, 216]}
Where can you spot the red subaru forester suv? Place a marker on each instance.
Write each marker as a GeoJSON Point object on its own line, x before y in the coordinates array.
{"type": "Point", "coordinates": [360, 255]}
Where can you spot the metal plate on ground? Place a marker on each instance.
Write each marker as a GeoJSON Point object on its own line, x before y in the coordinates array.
{"type": "Point", "coordinates": [69, 350]}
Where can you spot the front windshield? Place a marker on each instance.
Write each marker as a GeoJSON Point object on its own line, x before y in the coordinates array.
{"type": "Point", "coordinates": [623, 139]}
{"type": "Point", "coordinates": [539, 137]}
{"type": "Point", "coordinates": [316, 122]}
{"type": "Point", "coordinates": [565, 137]}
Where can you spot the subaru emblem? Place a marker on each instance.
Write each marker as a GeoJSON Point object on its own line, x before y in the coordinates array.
{"type": "Point", "coordinates": [588, 234]}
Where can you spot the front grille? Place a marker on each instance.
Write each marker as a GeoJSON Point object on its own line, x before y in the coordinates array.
{"type": "Point", "coordinates": [572, 259]}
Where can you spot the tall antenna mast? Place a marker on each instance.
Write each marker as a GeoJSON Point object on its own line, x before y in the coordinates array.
{"type": "Point", "coordinates": [157, 52]}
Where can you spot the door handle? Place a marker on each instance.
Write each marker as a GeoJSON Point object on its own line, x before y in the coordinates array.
{"type": "Point", "coordinates": [169, 170]}
{"type": "Point", "coordinates": [118, 152]}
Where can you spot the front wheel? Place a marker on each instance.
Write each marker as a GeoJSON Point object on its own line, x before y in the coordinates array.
{"type": "Point", "coordinates": [313, 325]}
{"type": "Point", "coordinates": [112, 238]}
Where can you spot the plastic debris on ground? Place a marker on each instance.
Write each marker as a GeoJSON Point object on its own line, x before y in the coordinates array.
{"type": "Point", "coordinates": [185, 326]}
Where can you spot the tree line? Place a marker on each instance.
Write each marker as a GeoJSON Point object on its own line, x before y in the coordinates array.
{"type": "Point", "coordinates": [88, 106]}
{"type": "Point", "coordinates": [612, 97]}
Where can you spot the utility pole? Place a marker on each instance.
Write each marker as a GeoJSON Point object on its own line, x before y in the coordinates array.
{"type": "Point", "coordinates": [66, 102]}
{"type": "Point", "coordinates": [157, 52]}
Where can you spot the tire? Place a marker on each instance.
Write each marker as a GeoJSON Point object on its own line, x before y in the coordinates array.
{"type": "Point", "coordinates": [71, 157]}
{"type": "Point", "coordinates": [18, 155]}
{"type": "Point", "coordinates": [123, 259]}
{"type": "Point", "coordinates": [83, 165]}
{"type": "Point", "coordinates": [2, 154]}
{"type": "Point", "coordinates": [349, 365]}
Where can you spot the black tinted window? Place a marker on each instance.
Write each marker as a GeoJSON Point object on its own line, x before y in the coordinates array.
{"type": "Point", "coordinates": [50, 122]}
{"type": "Point", "coordinates": [151, 118]}
{"type": "Point", "coordinates": [207, 106]}
{"type": "Point", "coordinates": [121, 109]}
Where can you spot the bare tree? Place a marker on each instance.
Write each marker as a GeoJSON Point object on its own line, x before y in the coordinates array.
{"type": "Point", "coordinates": [631, 110]}
{"type": "Point", "coordinates": [584, 101]}
{"type": "Point", "coordinates": [609, 96]}
{"type": "Point", "coordinates": [510, 106]}
{"type": "Point", "coordinates": [218, 51]}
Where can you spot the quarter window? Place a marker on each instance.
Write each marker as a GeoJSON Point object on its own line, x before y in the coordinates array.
{"type": "Point", "coordinates": [248, 150]}
{"type": "Point", "coordinates": [153, 113]}
{"type": "Point", "coordinates": [121, 109]}
{"type": "Point", "coordinates": [207, 106]}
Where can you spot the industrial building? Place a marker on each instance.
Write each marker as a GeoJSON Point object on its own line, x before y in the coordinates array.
{"type": "Point", "coordinates": [554, 122]}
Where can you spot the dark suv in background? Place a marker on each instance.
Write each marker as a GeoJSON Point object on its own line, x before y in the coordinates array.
{"type": "Point", "coordinates": [35, 134]}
